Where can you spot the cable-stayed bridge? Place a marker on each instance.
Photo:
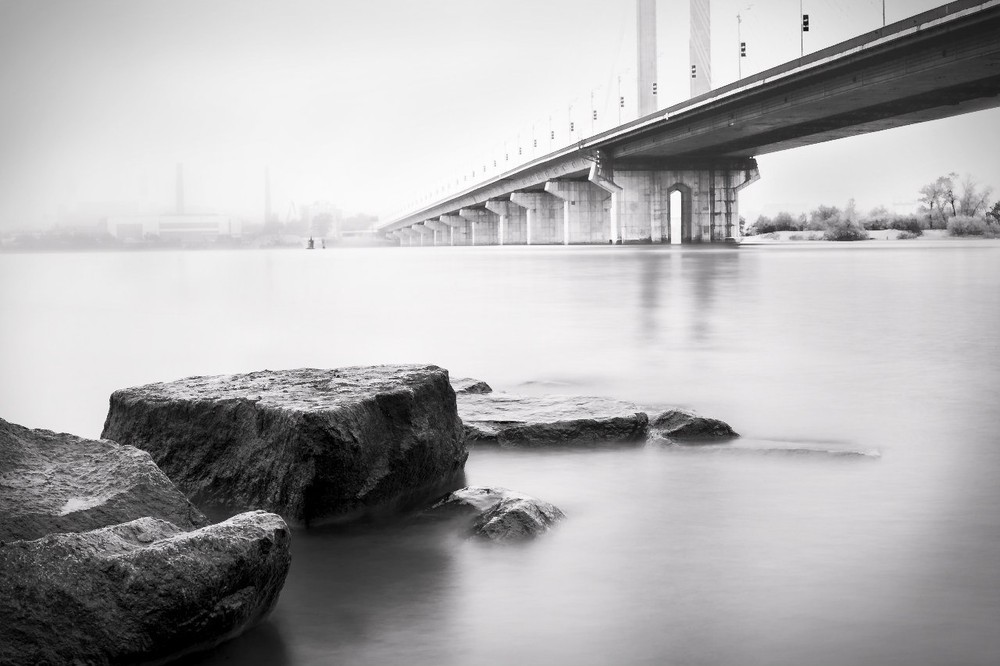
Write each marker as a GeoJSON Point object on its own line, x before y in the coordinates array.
{"type": "Point", "coordinates": [674, 175]}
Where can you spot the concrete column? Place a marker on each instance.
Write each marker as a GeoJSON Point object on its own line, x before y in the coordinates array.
{"type": "Point", "coordinates": [423, 232]}
{"type": "Point", "coordinates": [512, 226]}
{"type": "Point", "coordinates": [459, 231]}
{"type": "Point", "coordinates": [485, 225]}
{"type": "Point", "coordinates": [406, 236]}
{"type": "Point", "coordinates": [439, 229]}
{"type": "Point", "coordinates": [615, 208]}
{"type": "Point", "coordinates": [708, 193]}
{"type": "Point", "coordinates": [645, 12]}
{"type": "Point", "coordinates": [584, 210]}
{"type": "Point", "coordinates": [701, 47]}
{"type": "Point", "coordinates": [544, 217]}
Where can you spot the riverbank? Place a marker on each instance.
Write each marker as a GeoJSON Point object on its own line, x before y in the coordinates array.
{"type": "Point", "coordinates": [873, 235]}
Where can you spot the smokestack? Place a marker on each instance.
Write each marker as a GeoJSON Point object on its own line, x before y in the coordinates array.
{"type": "Point", "coordinates": [179, 204]}
{"type": "Point", "coordinates": [645, 11]}
{"type": "Point", "coordinates": [267, 195]}
{"type": "Point", "coordinates": [701, 47]}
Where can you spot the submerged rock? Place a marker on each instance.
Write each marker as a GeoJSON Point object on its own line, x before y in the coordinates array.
{"type": "Point", "coordinates": [55, 482]}
{"type": "Point", "coordinates": [511, 420]}
{"type": "Point", "coordinates": [468, 385]}
{"type": "Point", "coordinates": [309, 444]}
{"type": "Point", "coordinates": [138, 592]}
{"type": "Point", "coordinates": [499, 514]}
{"type": "Point", "coordinates": [473, 500]}
{"type": "Point", "coordinates": [683, 424]}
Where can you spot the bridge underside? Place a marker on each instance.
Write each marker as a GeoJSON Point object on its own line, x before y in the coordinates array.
{"type": "Point", "coordinates": [620, 186]}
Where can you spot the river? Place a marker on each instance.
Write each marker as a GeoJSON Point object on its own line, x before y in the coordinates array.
{"type": "Point", "coordinates": [785, 549]}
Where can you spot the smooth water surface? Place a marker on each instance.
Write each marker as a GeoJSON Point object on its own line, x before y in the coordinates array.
{"type": "Point", "coordinates": [722, 555]}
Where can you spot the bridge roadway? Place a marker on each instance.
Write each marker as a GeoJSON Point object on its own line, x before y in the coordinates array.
{"type": "Point", "coordinates": [616, 186]}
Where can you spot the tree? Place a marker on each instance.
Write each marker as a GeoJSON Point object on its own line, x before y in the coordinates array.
{"type": "Point", "coordinates": [820, 218]}
{"type": "Point", "coordinates": [937, 197]}
{"type": "Point", "coordinates": [973, 200]}
{"type": "Point", "coordinates": [994, 213]}
{"type": "Point", "coordinates": [784, 221]}
{"type": "Point", "coordinates": [878, 218]}
{"type": "Point", "coordinates": [321, 224]}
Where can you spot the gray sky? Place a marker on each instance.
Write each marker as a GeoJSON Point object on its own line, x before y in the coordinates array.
{"type": "Point", "coordinates": [372, 105]}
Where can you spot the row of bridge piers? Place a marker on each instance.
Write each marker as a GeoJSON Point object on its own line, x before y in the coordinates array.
{"type": "Point", "coordinates": [658, 203]}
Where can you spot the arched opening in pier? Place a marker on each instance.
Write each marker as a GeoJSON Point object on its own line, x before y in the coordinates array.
{"type": "Point", "coordinates": [679, 214]}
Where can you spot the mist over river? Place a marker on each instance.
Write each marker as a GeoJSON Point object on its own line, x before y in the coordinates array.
{"type": "Point", "coordinates": [782, 549]}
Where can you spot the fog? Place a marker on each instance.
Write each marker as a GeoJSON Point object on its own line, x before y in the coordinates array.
{"type": "Point", "coordinates": [372, 105]}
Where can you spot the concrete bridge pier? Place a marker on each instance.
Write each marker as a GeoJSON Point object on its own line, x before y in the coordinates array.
{"type": "Point", "coordinates": [681, 202]}
{"type": "Point", "coordinates": [405, 236]}
{"type": "Point", "coordinates": [614, 209]}
{"type": "Point", "coordinates": [544, 217]}
{"type": "Point", "coordinates": [484, 225]}
{"type": "Point", "coordinates": [458, 227]}
{"type": "Point", "coordinates": [442, 232]}
{"type": "Point", "coordinates": [512, 223]}
{"type": "Point", "coordinates": [423, 233]}
{"type": "Point", "coordinates": [584, 210]}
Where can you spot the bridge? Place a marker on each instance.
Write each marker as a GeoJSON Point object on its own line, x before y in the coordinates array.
{"type": "Point", "coordinates": [674, 175]}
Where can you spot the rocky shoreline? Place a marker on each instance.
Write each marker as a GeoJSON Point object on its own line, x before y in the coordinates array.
{"type": "Point", "coordinates": [109, 557]}
{"type": "Point", "coordinates": [105, 561]}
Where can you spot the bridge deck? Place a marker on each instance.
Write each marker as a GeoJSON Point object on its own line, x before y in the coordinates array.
{"type": "Point", "coordinates": [937, 64]}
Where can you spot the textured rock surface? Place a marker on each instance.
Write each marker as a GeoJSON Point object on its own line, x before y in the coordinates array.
{"type": "Point", "coordinates": [499, 514]}
{"type": "Point", "coordinates": [309, 444]}
{"type": "Point", "coordinates": [686, 425]}
{"type": "Point", "coordinates": [469, 385]}
{"type": "Point", "coordinates": [137, 592]}
{"type": "Point", "coordinates": [512, 420]}
{"type": "Point", "coordinates": [514, 519]}
{"type": "Point", "coordinates": [54, 482]}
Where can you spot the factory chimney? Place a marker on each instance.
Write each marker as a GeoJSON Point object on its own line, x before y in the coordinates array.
{"type": "Point", "coordinates": [267, 195]}
{"type": "Point", "coordinates": [179, 204]}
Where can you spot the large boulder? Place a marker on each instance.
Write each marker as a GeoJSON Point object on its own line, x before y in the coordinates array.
{"type": "Point", "coordinates": [55, 482]}
{"type": "Point", "coordinates": [499, 514]}
{"type": "Point", "coordinates": [142, 591]}
{"type": "Point", "coordinates": [312, 445]}
{"type": "Point", "coordinates": [685, 425]}
{"type": "Point", "coordinates": [519, 420]}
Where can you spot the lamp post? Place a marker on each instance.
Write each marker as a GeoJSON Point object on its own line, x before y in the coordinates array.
{"type": "Point", "coordinates": [802, 31]}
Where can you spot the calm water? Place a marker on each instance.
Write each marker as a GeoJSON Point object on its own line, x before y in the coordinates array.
{"type": "Point", "coordinates": [709, 556]}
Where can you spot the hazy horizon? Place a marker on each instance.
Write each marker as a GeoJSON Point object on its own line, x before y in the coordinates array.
{"type": "Point", "coordinates": [372, 105]}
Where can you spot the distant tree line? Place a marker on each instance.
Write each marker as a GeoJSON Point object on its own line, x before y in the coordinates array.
{"type": "Point", "coordinates": [960, 206]}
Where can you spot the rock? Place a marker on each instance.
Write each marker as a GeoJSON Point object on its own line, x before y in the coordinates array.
{"type": "Point", "coordinates": [55, 482]}
{"type": "Point", "coordinates": [468, 385]}
{"type": "Point", "coordinates": [312, 445]}
{"type": "Point", "coordinates": [142, 591]}
{"type": "Point", "coordinates": [473, 500]}
{"type": "Point", "coordinates": [510, 420]}
{"type": "Point", "coordinates": [516, 518]}
{"type": "Point", "coordinates": [686, 425]}
{"type": "Point", "coordinates": [499, 514]}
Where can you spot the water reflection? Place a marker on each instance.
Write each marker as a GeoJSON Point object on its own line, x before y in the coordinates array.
{"type": "Point", "coordinates": [684, 282]}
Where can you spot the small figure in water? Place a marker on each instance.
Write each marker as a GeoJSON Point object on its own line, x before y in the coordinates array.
{"type": "Point", "coordinates": [311, 244]}
{"type": "Point", "coordinates": [323, 241]}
